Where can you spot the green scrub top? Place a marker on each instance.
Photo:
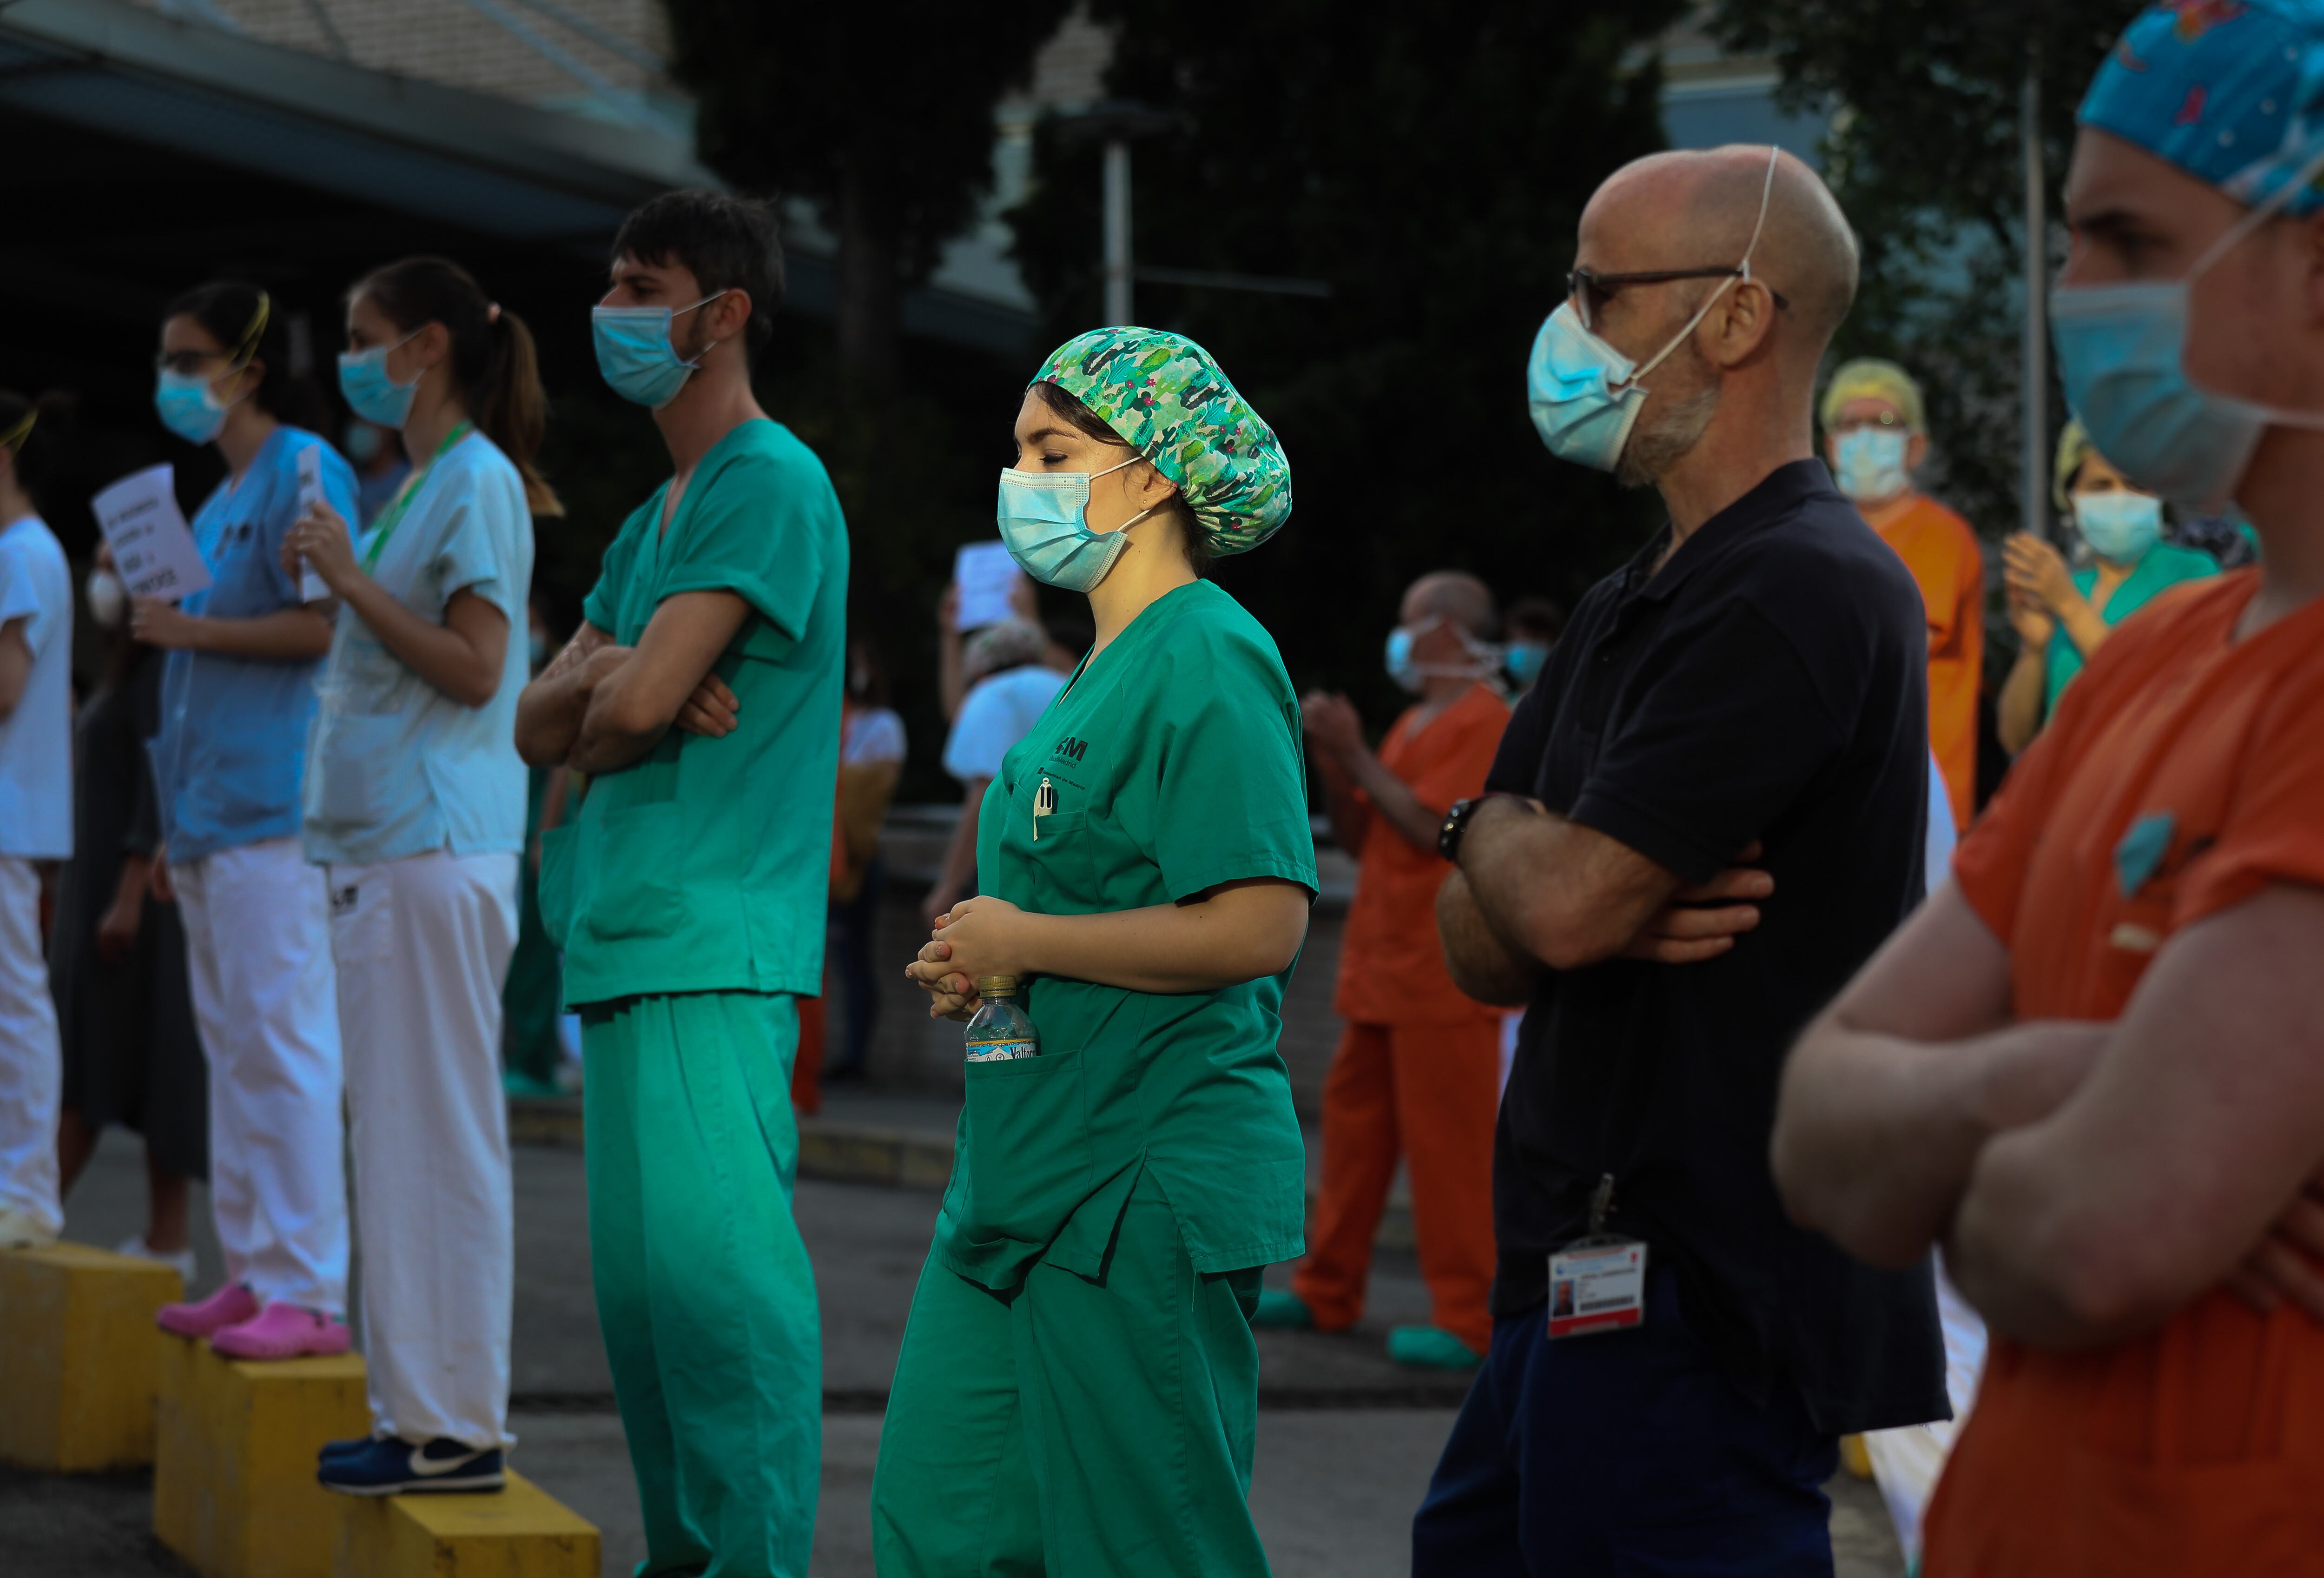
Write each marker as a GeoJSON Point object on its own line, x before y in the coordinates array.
{"type": "Point", "coordinates": [1174, 760]}
{"type": "Point", "coordinates": [704, 866]}
{"type": "Point", "coordinates": [2161, 567]}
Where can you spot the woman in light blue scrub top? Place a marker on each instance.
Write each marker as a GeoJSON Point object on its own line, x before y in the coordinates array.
{"type": "Point", "coordinates": [415, 804]}
{"type": "Point", "coordinates": [237, 699]}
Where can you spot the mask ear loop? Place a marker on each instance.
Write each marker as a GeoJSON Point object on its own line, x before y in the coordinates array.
{"type": "Point", "coordinates": [696, 363]}
{"type": "Point", "coordinates": [2241, 230]}
{"type": "Point", "coordinates": [1742, 276]}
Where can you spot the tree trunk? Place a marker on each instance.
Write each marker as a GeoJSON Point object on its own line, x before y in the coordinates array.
{"type": "Point", "coordinates": [869, 301]}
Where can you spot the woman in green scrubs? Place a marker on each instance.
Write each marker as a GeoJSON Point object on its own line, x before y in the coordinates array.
{"type": "Point", "coordinates": [1078, 1390]}
{"type": "Point", "coordinates": [2063, 616]}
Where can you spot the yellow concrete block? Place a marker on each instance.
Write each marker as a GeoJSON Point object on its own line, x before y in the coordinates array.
{"type": "Point", "coordinates": [523, 1532]}
{"type": "Point", "coordinates": [234, 1466]}
{"type": "Point", "coordinates": [78, 1350]}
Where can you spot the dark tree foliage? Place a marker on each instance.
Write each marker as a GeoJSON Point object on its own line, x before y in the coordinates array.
{"type": "Point", "coordinates": [881, 115]}
{"type": "Point", "coordinates": [1432, 169]}
{"type": "Point", "coordinates": [1924, 154]}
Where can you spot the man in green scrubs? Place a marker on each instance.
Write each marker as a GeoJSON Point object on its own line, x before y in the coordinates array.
{"type": "Point", "coordinates": [1077, 1391]}
{"type": "Point", "coordinates": [702, 697]}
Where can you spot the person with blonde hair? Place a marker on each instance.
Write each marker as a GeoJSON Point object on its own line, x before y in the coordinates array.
{"type": "Point", "coordinates": [1876, 436]}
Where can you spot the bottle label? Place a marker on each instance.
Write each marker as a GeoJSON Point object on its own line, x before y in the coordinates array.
{"type": "Point", "coordinates": [1000, 1051]}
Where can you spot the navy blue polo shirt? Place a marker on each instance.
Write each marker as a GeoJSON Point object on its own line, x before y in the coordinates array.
{"type": "Point", "coordinates": [1769, 682]}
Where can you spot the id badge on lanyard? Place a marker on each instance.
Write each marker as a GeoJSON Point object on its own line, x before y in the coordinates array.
{"type": "Point", "coordinates": [1598, 1283]}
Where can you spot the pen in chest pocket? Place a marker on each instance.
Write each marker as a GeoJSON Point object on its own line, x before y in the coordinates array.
{"type": "Point", "coordinates": [1044, 803]}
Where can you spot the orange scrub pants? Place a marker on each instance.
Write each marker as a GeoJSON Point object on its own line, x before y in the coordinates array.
{"type": "Point", "coordinates": [1430, 1092]}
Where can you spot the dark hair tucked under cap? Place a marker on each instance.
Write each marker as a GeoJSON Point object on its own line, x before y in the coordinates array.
{"type": "Point", "coordinates": [726, 243]}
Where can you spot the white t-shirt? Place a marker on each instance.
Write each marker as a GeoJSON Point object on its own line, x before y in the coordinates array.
{"type": "Point", "coordinates": [36, 810]}
{"type": "Point", "coordinates": [1000, 712]}
{"type": "Point", "coordinates": [872, 737]}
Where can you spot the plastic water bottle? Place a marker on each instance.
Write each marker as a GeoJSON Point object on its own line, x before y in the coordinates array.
{"type": "Point", "coordinates": [1001, 1029]}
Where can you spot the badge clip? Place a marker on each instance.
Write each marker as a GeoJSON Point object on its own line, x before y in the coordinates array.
{"type": "Point", "coordinates": [1598, 1283]}
{"type": "Point", "coordinates": [1044, 804]}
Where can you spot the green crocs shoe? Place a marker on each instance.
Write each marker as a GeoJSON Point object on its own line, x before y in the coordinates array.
{"type": "Point", "coordinates": [524, 1087]}
{"type": "Point", "coordinates": [1282, 1310]}
{"type": "Point", "coordinates": [1431, 1348]}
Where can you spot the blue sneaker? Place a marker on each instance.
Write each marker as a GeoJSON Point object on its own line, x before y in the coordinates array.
{"type": "Point", "coordinates": [332, 1449]}
{"type": "Point", "coordinates": [388, 1465]}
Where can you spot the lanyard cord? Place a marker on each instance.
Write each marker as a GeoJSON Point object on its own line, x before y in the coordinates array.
{"type": "Point", "coordinates": [392, 516]}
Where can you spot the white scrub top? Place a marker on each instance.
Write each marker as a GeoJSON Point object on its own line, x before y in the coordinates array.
{"type": "Point", "coordinates": [395, 767]}
{"type": "Point", "coordinates": [36, 809]}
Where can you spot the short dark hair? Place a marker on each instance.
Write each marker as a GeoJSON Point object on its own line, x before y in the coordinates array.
{"type": "Point", "coordinates": [727, 243]}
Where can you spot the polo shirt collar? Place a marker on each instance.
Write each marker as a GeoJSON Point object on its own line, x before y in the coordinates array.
{"type": "Point", "coordinates": [1776, 496]}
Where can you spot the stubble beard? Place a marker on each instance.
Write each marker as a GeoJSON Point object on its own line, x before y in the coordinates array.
{"type": "Point", "coordinates": [1662, 436]}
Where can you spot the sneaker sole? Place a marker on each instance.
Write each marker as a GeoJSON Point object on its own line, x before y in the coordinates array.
{"type": "Point", "coordinates": [450, 1483]}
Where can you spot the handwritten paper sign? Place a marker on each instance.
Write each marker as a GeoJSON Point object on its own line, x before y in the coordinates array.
{"type": "Point", "coordinates": [311, 587]}
{"type": "Point", "coordinates": [986, 575]}
{"type": "Point", "coordinates": [152, 548]}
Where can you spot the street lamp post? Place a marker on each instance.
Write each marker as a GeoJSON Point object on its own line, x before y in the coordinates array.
{"type": "Point", "coordinates": [1118, 301]}
{"type": "Point", "coordinates": [2033, 493]}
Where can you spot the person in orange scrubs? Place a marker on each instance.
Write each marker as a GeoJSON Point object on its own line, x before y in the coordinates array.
{"type": "Point", "coordinates": [2088, 1066]}
{"type": "Point", "coordinates": [1418, 1069]}
{"type": "Point", "coordinates": [1875, 437]}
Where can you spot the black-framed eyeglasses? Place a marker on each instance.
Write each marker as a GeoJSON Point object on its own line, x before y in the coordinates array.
{"type": "Point", "coordinates": [1591, 291]}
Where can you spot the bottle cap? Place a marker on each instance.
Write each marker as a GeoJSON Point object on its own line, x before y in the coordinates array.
{"type": "Point", "coordinates": [994, 985]}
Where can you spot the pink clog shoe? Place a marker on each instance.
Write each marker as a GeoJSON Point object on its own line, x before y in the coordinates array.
{"type": "Point", "coordinates": [284, 1331]}
{"type": "Point", "coordinates": [229, 1306]}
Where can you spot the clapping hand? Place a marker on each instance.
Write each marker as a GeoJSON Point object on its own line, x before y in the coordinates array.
{"type": "Point", "coordinates": [1331, 723]}
{"type": "Point", "coordinates": [2034, 569]}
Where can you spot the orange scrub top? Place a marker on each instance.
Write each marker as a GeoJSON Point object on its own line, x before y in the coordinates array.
{"type": "Point", "coordinates": [1391, 963]}
{"type": "Point", "coordinates": [2181, 775]}
{"type": "Point", "coordinates": [1941, 551]}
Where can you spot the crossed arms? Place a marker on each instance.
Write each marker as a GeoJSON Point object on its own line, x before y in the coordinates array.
{"type": "Point", "coordinates": [1536, 891]}
{"type": "Point", "coordinates": [2086, 1180]}
{"type": "Point", "coordinates": [599, 707]}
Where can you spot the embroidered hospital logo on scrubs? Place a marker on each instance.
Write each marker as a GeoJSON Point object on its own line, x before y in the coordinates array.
{"type": "Point", "coordinates": [1071, 749]}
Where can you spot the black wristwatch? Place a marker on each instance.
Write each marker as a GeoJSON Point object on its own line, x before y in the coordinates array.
{"type": "Point", "coordinates": [1456, 824]}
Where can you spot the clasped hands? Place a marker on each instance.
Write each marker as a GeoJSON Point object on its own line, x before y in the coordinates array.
{"type": "Point", "coordinates": [978, 937]}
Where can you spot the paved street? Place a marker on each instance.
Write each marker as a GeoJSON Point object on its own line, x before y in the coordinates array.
{"type": "Point", "coordinates": [1338, 1473]}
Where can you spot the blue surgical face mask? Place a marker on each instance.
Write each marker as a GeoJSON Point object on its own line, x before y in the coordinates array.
{"type": "Point", "coordinates": [2119, 526]}
{"type": "Point", "coordinates": [1525, 660]}
{"type": "Point", "coordinates": [369, 393]}
{"type": "Point", "coordinates": [1400, 666]}
{"type": "Point", "coordinates": [2121, 356]}
{"type": "Point", "coordinates": [634, 352]}
{"type": "Point", "coordinates": [1044, 522]}
{"type": "Point", "coordinates": [1584, 394]}
{"type": "Point", "coordinates": [187, 406]}
{"type": "Point", "coordinates": [1872, 464]}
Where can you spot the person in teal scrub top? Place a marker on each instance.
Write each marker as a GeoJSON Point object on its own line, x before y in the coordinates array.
{"type": "Point", "coordinates": [702, 697]}
{"type": "Point", "coordinates": [2063, 616]}
{"type": "Point", "coordinates": [1077, 1392]}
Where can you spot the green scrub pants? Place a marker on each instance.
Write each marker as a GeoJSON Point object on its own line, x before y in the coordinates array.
{"type": "Point", "coordinates": [705, 1293]}
{"type": "Point", "coordinates": [1075, 1429]}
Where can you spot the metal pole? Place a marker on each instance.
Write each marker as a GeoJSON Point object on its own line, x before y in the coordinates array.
{"type": "Point", "coordinates": [1117, 231]}
{"type": "Point", "coordinates": [2035, 493]}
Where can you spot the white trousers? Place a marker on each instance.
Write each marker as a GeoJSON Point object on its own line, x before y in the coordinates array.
{"type": "Point", "coordinates": [31, 1058]}
{"type": "Point", "coordinates": [423, 947]}
{"type": "Point", "coordinates": [258, 960]}
{"type": "Point", "coordinates": [1907, 1461]}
